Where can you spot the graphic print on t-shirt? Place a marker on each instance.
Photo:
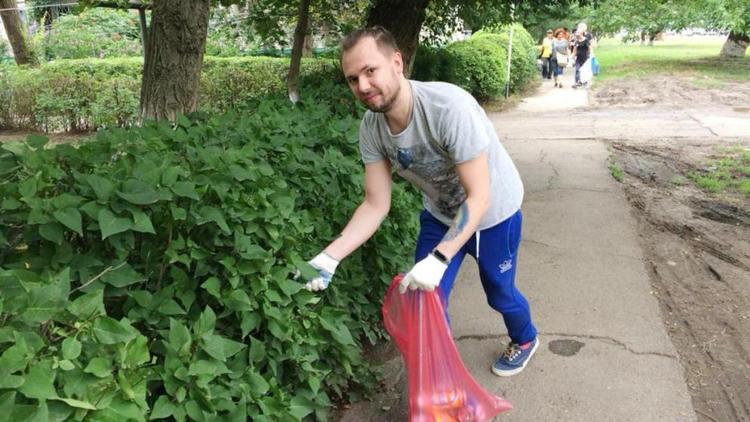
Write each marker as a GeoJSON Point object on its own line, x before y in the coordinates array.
{"type": "Point", "coordinates": [432, 174]}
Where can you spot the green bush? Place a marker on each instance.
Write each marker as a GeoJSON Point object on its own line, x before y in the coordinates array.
{"type": "Point", "coordinates": [523, 55]}
{"type": "Point", "coordinates": [476, 66]}
{"type": "Point", "coordinates": [95, 32]}
{"type": "Point", "coordinates": [86, 94]}
{"type": "Point", "coordinates": [479, 64]}
{"type": "Point", "coordinates": [148, 274]}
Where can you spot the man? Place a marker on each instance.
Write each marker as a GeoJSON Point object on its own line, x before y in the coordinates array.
{"type": "Point", "coordinates": [438, 137]}
{"type": "Point", "coordinates": [547, 55]}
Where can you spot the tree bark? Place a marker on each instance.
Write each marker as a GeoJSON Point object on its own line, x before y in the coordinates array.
{"type": "Point", "coordinates": [174, 58]}
{"type": "Point", "coordinates": [299, 39]}
{"type": "Point", "coordinates": [735, 46]}
{"type": "Point", "coordinates": [16, 32]}
{"type": "Point", "coordinates": [404, 19]}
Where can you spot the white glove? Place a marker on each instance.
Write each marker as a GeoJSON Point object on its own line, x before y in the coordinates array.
{"type": "Point", "coordinates": [425, 274]}
{"type": "Point", "coordinates": [326, 266]}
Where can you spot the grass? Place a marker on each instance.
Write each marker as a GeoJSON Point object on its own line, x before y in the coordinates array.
{"type": "Point", "coordinates": [727, 171]}
{"type": "Point", "coordinates": [696, 58]}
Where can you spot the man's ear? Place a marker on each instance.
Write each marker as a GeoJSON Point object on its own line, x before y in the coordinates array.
{"type": "Point", "coordinates": [398, 62]}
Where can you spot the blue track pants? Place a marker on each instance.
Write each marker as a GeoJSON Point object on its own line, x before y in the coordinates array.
{"type": "Point", "coordinates": [495, 250]}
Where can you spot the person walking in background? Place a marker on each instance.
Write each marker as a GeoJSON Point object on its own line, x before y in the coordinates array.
{"type": "Point", "coordinates": [546, 55]}
{"type": "Point", "coordinates": [581, 51]}
{"type": "Point", "coordinates": [436, 136]}
{"type": "Point", "coordinates": [560, 57]}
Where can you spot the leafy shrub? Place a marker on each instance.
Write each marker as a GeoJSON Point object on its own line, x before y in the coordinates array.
{"type": "Point", "coordinates": [75, 95]}
{"type": "Point", "coordinates": [228, 83]}
{"type": "Point", "coordinates": [523, 55]}
{"type": "Point", "coordinates": [148, 274]}
{"type": "Point", "coordinates": [96, 32]}
{"type": "Point", "coordinates": [476, 66]}
{"type": "Point", "coordinates": [479, 64]}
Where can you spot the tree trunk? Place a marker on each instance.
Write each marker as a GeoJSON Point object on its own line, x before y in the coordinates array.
{"type": "Point", "coordinates": [404, 19]}
{"type": "Point", "coordinates": [174, 58]}
{"type": "Point", "coordinates": [308, 46]}
{"type": "Point", "coordinates": [299, 38]}
{"type": "Point", "coordinates": [16, 32]}
{"type": "Point", "coordinates": [735, 46]}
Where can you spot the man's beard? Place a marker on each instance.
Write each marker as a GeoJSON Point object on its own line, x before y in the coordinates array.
{"type": "Point", "coordinates": [387, 102]}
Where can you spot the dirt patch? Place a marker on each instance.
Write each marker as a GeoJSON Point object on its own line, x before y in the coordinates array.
{"type": "Point", "coordinates": [677, 91]}
{"type": "Point", "coordinates": [697, 249]}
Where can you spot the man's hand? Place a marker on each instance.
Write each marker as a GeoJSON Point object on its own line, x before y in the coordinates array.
{"type": "Point", "coordinates": [326, 266]}
{"type": "Point", "coordinates": [425, 275]}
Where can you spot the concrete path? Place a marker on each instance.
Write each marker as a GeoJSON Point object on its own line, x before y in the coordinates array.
{"type": "Point", "coordinates": [605, 355]}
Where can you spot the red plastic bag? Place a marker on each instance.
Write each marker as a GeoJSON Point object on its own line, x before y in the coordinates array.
{"type": "Point", "coordinates": [440, 387]}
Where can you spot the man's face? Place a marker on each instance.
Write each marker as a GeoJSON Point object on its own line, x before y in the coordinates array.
{"type": "Point", "coordinates": [373, 75]}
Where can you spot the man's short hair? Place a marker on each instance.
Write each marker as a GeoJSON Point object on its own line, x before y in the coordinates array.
{"type": "Point", "coordinates": [383, 37]}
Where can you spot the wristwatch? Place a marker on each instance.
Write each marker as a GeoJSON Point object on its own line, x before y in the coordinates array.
{"type": "Point", "coordinates": [442, 258]}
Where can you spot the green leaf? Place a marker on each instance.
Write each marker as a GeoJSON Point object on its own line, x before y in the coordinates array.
{"type": "Point", "coordinates": [110, 224]}
{"type": "Point", "coordinates": [11, 381]}
{"type": "Point", "coordinates": [70, 218]}
{"type": "Point", "coordinates": [88, 305]}
{"type": "Point", "coordinates": [250, 321]}
{"type": "Point", "coordinates": [215, 215]}
{"type": "Point", "coordinates": [314, 383]}
{"type": "Point", "coordinates": [163, 408]}
{"type": "Point", "coordinates": [76, 403]}
{"type": "Point", "coordinates": [139, 193]}
{"type": "Point", "coordinates": [66, 365]}
{"type": "Point", "coordinates": [52, 232]}
{"type": "Point", "coordinates": [206, 322]}
{"type": "Point", "coordinates": [301, 406]}
{"type": "Point", "coordinates": [37, 141]}
{"type": "Point", "coordinates": [142, 223]}
{"type": "Point", "coordinates": [238, 300]}
{"type": "Point", "coordinates": [170, 175]}
{"type": "Point", "coordinates": [213, 286]}
{"type": "Point", "coordinates": [219, 347]}
{"type": "Point", "coordinates": [170, 307]}
{"type": "Point", "coordinates": [136, 353]}
{"type": "Point", "coordinates": [7, 400]}
{"type": "Point", "coordinates": [122, 276]}
{"type": "Point", "coordinates": [110, 331]}
{"type": "Point", "coordinates": [186, 189]}
{"type": "Point", "coordinates": [99, 367]}
{"type": "Point", "coordinates": [179, 336]}
{"type": "Point", "coordinates": [39, 383]}
{"type": "Point", "coordinates": [339, 331]}
{"type": "Point", "coordinates": [257, 350]}
{"type": "Point", "coordinates": [71, 348]}
{"type": "Point", "coordinates": [10, 204]}
{"type": "Point", "coordinates": [28, 188]}
{"type": "Point", "coordinates": [15, 358]}
{"type": "Point", "coordinates": [258, 385]}
{"type": "Point", "coordinates": [103, 188]}
{"type": "Point", "coordinates": [205, 367]}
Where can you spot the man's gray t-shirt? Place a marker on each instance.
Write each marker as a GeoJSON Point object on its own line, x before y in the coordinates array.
{"type": "Point", "coordinates": [447, 127]}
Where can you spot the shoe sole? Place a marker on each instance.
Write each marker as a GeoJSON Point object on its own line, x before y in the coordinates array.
{"type": "Point", "coordinates": [512, 372]}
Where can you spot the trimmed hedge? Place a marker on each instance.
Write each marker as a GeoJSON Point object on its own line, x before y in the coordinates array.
{"type": "Point", "coordinates": [479, 64]}
{"type": "Point", "coordinates": [86, 94]}
{"type": "Point", "coordinates": [148, 274]}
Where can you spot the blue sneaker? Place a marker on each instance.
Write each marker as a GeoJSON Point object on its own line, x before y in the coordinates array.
{"type": "Point", "coordinates": [514, 358]}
